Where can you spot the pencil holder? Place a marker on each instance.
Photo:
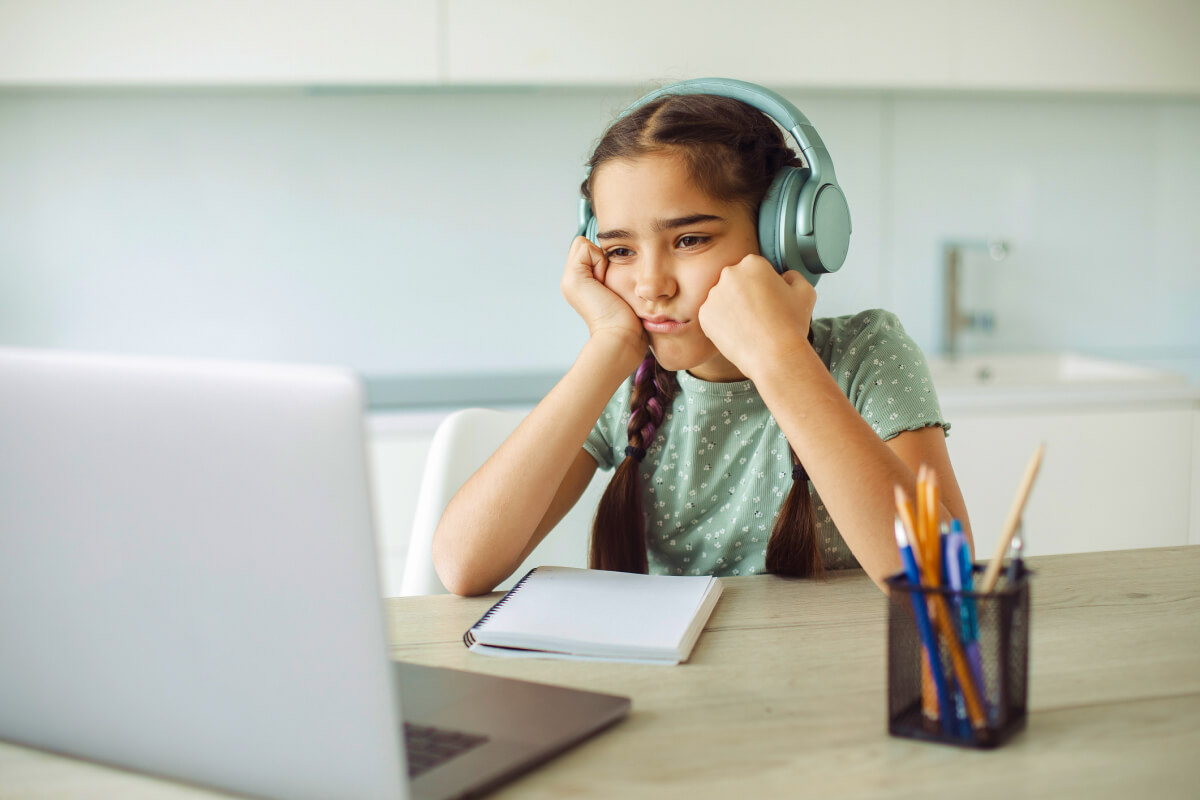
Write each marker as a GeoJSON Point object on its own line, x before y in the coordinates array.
{"type": "Point", "coordinates": [982, 648]}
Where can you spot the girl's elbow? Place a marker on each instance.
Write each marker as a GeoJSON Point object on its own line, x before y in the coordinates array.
{"type": "Point", "coordinates": [456, 574]}
{"type": "Point", "coordinates": [887, 566]}
{"type": "Point", "coordinates": [462, 583]}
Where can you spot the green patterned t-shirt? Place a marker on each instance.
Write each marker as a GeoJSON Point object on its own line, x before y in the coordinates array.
{"type": "Point", "coordinates": [716, 474]}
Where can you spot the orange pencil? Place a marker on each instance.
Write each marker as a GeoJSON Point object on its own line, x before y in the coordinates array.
{"type": "Point", "coordinates": [962, 670]}
{"type": "Point", "coordinates": [929, 699]}
{"type": "Point", "coordinates": [933, 538]}
{"type": "Point", "coordinates": [939, 611]}
{"type": "Point", "coordinates": [919, 525]}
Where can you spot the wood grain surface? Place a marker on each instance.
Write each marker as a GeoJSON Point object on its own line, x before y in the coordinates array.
{"type": "Point", "coordinates": [785, 696]}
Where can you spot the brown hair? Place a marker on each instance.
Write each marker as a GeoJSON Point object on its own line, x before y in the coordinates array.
{"type": "Point", "coordinates": [732, 152]}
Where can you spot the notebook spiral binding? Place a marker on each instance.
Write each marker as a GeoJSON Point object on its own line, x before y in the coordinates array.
{"type": "Point", "coordinates": [469, 637]}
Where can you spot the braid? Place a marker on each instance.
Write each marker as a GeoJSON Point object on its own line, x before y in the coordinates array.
{"type": "Point", "coordinates": [792, 548]}
{"type": "Point", "coordinates": [619, 531]}
{"type": "Point", "coordinates": [647, 403]}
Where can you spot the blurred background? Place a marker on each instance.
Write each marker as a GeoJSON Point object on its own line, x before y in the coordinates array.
{"type": "Point", "coordinates": [393, 185]}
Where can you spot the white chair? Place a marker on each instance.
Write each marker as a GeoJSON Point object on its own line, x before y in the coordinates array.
{"type": "Point", "coordinates": [461, 443]}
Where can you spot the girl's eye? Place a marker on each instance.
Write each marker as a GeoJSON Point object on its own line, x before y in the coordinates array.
{"type": "Point", "coordinates": [692, 240]}
{"type": "Point", "coordinates": [619, 252]}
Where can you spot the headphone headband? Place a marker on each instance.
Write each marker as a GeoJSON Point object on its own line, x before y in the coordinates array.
{"type": "Point", "coordinates": [768, 102]}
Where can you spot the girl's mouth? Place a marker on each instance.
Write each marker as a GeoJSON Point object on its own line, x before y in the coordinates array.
{"type": "Point", "coordinates": [661, 324]}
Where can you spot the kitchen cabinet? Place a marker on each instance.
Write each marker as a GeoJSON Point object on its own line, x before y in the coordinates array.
{"type": "Point", "coordinates": [1079, 45]}
{"type": "Point", "coordinates": [1034, 45]}
{"type": "Point", "coordinates": [1113, 477]}
{"type": "Point", "coordinates": [958, 45]}
{"type": "Point", "coordinates": [217, 42]}
{"type": "Point", "coordinates": [867, 43]}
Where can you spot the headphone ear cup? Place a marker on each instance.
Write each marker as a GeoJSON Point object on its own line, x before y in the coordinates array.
{"type": "Point", "coordinates": [768, 224]}
{"type": "Point", "coordinates": [587, 221]}
{"type": "Point", "coordinates": [830, 239]}
{"type": "Point", "coordinates": [803, 226]}
{"type": "Point", "coordinates": [777, 220]}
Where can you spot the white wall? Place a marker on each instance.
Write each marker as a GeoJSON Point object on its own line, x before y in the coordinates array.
{"type": "Point", "coordinates": [423, 231]}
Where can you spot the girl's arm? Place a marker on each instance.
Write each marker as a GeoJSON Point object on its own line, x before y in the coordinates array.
{"type": "Point", "coordinates": [851, 467]}
{"type": "Point", "coordinates": [521, 492]}
{"type": "Point", "coordinates": [759, 320]}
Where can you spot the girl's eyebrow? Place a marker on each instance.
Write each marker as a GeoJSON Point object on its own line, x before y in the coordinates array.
{"type": "Point", "coordinates": [663, 225]}
{"type": "Point", "coordinates": [617, 234]}
{"type": "Point", "coordinates": [683, 222]}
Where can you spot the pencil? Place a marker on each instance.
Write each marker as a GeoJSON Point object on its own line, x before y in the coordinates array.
{"type": "Point", "coordinates": [931, 564]}
{"type": "Point", "coordinates": [920, 539]}
{"type": "Point", "coordinates": [933, 680]}
{"type": "Point", "coordinates": [962, 669]}
{"type": "Point", "coordinates": [988, 583]}
{"type": "Point", "coordinates": [915, 530]}
{"type": "Point", "coordinates": [943, 622]}
{"type": "Point", "coordinates": [933, 537]}
{"type": "Point", "coordinates": [904, 509]}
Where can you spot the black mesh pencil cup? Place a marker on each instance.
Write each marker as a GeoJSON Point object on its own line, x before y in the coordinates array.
{"type": "Point", "coordinates": [981, 642]}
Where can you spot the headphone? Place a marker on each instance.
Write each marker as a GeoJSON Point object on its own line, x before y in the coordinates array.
{"type": "Point", "coordinates": [804, 222]}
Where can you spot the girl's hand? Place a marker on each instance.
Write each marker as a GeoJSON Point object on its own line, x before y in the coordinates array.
{"type": "Point", "coordinates": [757, 317]}
{"type": "Point", "coordinates": [605, 313]}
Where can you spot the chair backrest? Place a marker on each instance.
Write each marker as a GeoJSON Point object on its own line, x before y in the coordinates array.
{"type": "Point", "coordinates": [462, 442]}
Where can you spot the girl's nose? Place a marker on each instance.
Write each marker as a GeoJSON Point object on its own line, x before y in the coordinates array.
{"type": "Point", "coordinates": [655, 279]}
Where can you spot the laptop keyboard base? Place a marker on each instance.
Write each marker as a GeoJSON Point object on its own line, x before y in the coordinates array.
{"type": "Point", "coordinates": [429, 747]}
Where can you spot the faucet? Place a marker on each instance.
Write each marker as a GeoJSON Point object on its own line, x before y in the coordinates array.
{"type": "Point", "coordinates": [954, 319]}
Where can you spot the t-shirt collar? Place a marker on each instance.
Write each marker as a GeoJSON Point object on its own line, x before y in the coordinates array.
{"type": "Point", "coordinates": [690, 384]}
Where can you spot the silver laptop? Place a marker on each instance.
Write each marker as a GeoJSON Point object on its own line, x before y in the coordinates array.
{"type": "Point", "coordinates": [189, 588]}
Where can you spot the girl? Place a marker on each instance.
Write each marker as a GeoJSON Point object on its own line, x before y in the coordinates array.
{"type": "Point", "coordinates": [738, 398]}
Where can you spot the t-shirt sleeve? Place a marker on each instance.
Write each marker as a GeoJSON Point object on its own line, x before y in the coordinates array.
{"type": "Point", "coordinates": [609, 431]}
{"type": "Point", "coordinates": [885, 374]}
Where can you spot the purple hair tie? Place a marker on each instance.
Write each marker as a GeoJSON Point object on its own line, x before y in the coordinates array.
{"type": "Point", "coordinates": [638, 453]}
{"type": "Point", "coordinates": [799, 473]}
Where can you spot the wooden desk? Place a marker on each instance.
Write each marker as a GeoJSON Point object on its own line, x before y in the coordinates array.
{"type": "Point", "coordinates": [785, 696]}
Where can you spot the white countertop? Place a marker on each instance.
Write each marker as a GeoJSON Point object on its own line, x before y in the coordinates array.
{"type": "Point", "coordinates": [1064, 397]}
{"type": "Point", "coordinates": [988, 382]}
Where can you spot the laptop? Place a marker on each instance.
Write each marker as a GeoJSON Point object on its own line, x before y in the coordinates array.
{"type": "Point", "coordinates": [189, 588]}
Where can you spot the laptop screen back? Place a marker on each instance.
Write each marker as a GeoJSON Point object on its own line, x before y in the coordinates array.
{"type": "Point", "coordinates": [188, 583]}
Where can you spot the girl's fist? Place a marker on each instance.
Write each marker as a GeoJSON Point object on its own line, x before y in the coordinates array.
{"type": "Point", "coordinates": [755, 316]}
{"type": "Point", "coordinates": [601, 308]}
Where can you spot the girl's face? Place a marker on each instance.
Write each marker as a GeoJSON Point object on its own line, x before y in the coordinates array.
{"type": "Point", "coordinates": [666, 243]}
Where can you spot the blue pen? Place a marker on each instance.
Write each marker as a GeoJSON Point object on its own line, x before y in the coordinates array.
{"type": "Point", "coordinates": [954, 577]}
{"type": "Point", "coordinates": [970, 619]}
{"type": "Point", "coordinates": [925, 628]}
{"type": "Point", "coordinates": [951, 548]}
{"type": "Point", "coordinates": [962, 552]}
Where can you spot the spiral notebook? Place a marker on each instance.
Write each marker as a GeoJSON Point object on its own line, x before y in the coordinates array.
{"type": "Point", "coordinates": [597, 615]}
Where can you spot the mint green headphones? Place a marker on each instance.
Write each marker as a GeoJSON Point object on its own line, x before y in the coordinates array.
{"type": "Point", "coordinates": [804, 222]}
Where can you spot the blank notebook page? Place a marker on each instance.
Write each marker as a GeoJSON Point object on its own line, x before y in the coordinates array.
{"type": "Point", "coordinates": [617, 608]}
